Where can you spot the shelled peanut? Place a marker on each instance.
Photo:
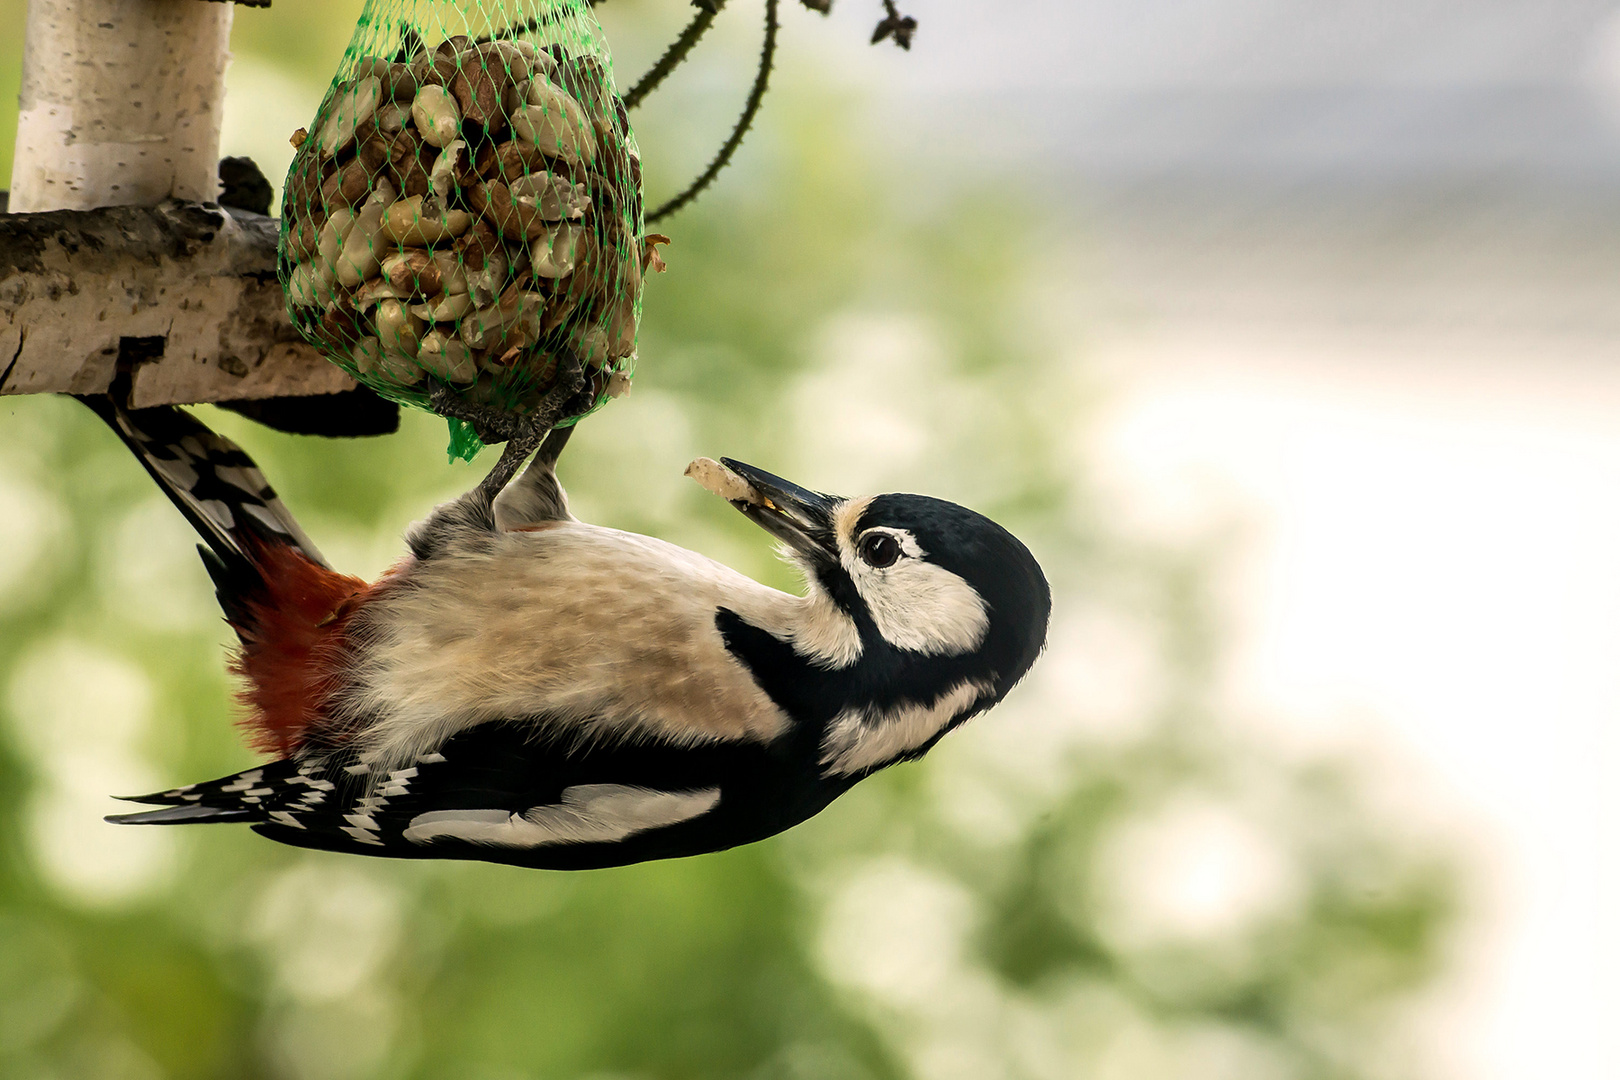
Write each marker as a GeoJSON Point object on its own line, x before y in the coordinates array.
{"type": "Point", "coordinates": [468, 217]}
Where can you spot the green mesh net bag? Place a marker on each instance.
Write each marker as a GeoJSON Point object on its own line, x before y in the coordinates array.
{"type": "Point", "coordinates": [462, 222]}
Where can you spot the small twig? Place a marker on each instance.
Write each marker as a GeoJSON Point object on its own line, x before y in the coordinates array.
{"type": "Point", "coordinates": [676, 52]}
{"type": "Point", "coordinates": [767, 57]}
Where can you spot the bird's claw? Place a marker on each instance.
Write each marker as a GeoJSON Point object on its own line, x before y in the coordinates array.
{"type": "Point", "coordinates": [522, 434]}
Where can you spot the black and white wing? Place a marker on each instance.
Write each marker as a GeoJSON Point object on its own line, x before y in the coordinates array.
{"type": "Point", "coordinates": [496, 793]}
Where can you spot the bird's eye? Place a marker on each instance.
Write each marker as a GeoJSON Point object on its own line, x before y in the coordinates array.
{"type": "Point", "coordinates": [879, 549]}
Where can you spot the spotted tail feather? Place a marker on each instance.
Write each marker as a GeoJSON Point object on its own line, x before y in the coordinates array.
{"type": "Point", "coordinates": [253, 795]}
{"type": "Point", "coordinates": [287, 606]}
{"type": "Point", "coordinates": [184, 815]}
{"type": "Point", "coordinates": [212, 482]}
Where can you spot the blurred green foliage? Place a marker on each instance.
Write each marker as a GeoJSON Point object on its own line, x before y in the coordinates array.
{"type": "Point", "coordinates": [12, 14]}
{"type": "Point", "coordinates": [1106, 877]}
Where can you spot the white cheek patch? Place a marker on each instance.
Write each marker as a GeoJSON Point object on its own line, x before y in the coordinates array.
{"type": "Point", "coordinates": [860, 739]}
{"type": "Point", "coordinates": [917, 605]}
{"type": "Point", "coordinates": [587, 814]}
{"type": "Point", "coordinates": [925, 608]}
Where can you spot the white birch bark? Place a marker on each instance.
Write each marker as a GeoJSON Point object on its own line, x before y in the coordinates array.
{"type": "Point", "coordinates": [121, 103]}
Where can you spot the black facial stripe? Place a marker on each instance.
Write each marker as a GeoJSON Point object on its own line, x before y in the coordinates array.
{"type": "Point", "coordinates": [884, 678]}
{"type": "Point", "coordinates": [836, 583]}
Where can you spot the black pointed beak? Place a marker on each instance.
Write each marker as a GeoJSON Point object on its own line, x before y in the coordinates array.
{"type": "Point", "coordinates": [800, 517]}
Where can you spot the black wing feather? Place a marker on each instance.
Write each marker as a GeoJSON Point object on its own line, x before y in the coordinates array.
{"type": "Point", "coordinates": [342, 803]}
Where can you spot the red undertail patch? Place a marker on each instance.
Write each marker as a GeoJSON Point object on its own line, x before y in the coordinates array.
{"type": "Point", "coordinates": [293, 646]}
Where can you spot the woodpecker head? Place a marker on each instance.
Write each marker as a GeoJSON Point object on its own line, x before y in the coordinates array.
{"type": "Point", "coordinates": [944, 602]}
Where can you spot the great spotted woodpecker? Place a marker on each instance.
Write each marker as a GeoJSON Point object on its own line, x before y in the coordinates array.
{"type": "Point", "coordinates": [525, 688]}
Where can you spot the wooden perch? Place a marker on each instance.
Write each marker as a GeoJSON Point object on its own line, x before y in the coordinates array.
{"type": "Point", "coordinates": [182, 294]}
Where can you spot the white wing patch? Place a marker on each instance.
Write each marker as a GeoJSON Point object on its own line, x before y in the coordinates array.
{"type": "Point", "coordinates": [860, 739]}
{"type": "Point", "coordinates": [587, 814]}
{"type": "Point", "coordinates": [246, 479]}
{"type": "Point", "coordinates": [218, 512]}
{"type": "Point", "coordinates": [243, 782]}
{"type": "Point", "coordinates": [265, 516]}
{"type": "Point", "coordinates": [179, 473]}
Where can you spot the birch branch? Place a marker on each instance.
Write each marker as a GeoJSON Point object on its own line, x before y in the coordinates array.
{"type": "Point", "coordinates": [182, 295]}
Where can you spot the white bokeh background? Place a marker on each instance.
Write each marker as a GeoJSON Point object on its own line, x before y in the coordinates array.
{"type": "Point", "coordinates": [1349, 276]}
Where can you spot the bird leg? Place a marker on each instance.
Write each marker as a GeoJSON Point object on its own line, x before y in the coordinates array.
{"type": "Point", "coordinates": [527, 432]}
{"type": "Point", "coordinates": [520, 433]}
{"type": "Point", "coordinates": [519, 445]}
{"type": "Point", "coordinates": [536, 497]}
{"type": "Point", "coordinates": [475, 510]}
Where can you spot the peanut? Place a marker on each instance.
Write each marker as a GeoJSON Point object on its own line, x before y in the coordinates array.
{"type": "Point", "coordinates": [553, 253]}
{"type": "Point", "coordinates": [352, 106]}
{"type": "Point", "coordinates": [436, 115]}
{"type": "Point", "coordinates": [446, 357]}
{"type": "Point", "coordinates": [419, 222]}
{"type": "Point", "coordinates": [359, 258]}
{"type": "Point", "coordinates": [412, 272]}
{"type": "Point", "coordinates": [454, 211]}
{"type": "Point", "coordinates": [447, 307]}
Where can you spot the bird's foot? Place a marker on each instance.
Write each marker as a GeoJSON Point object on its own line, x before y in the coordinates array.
{"type": "Point", "coordinates": [521, 433]}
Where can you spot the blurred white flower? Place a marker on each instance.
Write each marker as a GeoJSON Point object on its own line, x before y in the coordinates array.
{"type": "Point", "coordinates": [860, 410]}
{"type": "Point", "coordinates": [150, 571]}
{"type": "Point", "coordinates": [1146, 1051]}
{"type": "Point", "coordinates": [896, 931]}
{"type": "Point", "coordinates": [79, 715]}
{"type": "Point", "coordinates": [343, 1039]}
{"type": "Point", "coordinates": [634, 456]}
{"type": "Point", "coordinates": [31, 521]}
{"type": "Point", "coordinates": [1194, 871]}
{"type": "Point", "coordinates": [327, 930]}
